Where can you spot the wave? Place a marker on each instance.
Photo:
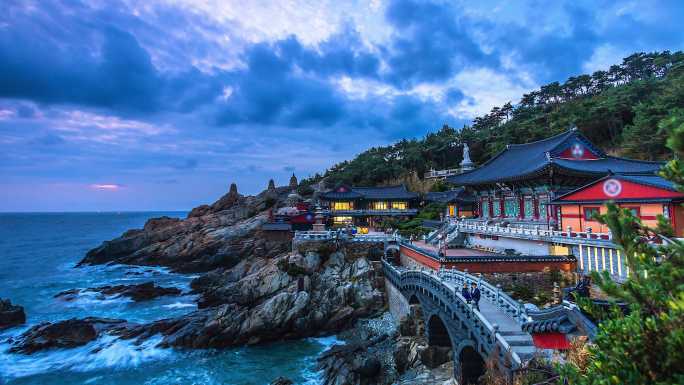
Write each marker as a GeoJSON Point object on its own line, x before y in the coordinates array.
{"type": "Point", "coordinates": [106, 352]}
{"type": "Point", "coordinates": [179, 305]}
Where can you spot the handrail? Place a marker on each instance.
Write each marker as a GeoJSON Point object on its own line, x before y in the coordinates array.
{"type": "Point", "coordinates": [501, 300]}
{"type": "Point", "coordinates": [536, 233]}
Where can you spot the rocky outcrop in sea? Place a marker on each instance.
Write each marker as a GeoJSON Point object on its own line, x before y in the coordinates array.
{"type": "Point", "coordinates": [212, 236]}
{"type": "Point", "coordinates": [139, 292]}
{"type": "Point", "coordinates": [10, 315]}
{"type": "Point", "coordinates": [254, 289]}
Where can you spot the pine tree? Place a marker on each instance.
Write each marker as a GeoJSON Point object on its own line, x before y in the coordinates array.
{"type": "Point", "coordinates": [645, 346]}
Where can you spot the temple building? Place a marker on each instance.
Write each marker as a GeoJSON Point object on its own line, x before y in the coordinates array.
{"type": "Point", "coordinates": [647, 196]}
{"type": "Point", "coordinates": [367, 206]}
{"type": "Point", "coordinates": [518, 184]}
{"type": "Point", "coordinates": [459, 203]}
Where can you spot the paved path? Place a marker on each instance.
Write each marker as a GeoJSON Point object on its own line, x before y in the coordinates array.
{"type": "Point", "coordinates": [521, 342]}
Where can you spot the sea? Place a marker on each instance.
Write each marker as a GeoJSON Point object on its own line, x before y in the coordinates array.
{"type": "Point", "coordinates": [38, 257]}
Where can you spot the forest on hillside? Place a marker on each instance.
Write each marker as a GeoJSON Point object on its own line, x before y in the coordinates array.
{"type": "Point", "coordinates": [620, 110]}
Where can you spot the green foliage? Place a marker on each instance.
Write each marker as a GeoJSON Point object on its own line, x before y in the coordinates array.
{"type": "Point", "coordinates": [439, 186]}
{"type": "Point", "coordinates": [432, 211]}
{"type": "Point", "coordinates": [305, 190]}
{"type": "Point", "coordinates": [617, 109]}
{"type": "Point", "coordinates": [646, 346]}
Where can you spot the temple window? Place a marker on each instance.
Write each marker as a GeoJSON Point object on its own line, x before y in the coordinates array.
{"type": "Point", "coordinates": [529, 208]}
{"type": "Point", "coordinates": [342, 220]}
{"type": "Point", "coordinates": [399, 205]}
{"type": "Point", "coordinates": [589, 213]}
{"type": "Point", "coordinates": [636, 211]}
{"type": "Point", "coordinates": [485, 209]}
{"type": "Point", "coordinates": [496, 208]}
{"type": "Point", "coordinates": [379, 205]}
{"type": "Point", "coordinates": [542, 210]}
{"type": "Point", "coordinates": [511, 208]}
{"type": "Point", "coordinates": [336, 206]}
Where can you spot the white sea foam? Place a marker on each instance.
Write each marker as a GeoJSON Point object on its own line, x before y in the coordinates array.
{"type": "Point", "coordinates": [179, 305]}
{"type": "Point", "coordinates": [106, 352]}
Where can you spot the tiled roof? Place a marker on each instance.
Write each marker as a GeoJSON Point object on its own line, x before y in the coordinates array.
{"type": "Point", "coordinates": [608, 164]}
{"type": "Point", "coordinates": [386, 192]}
{"type": "Point", "coordinates": [519, 161]}
{"type": "Point", "coordinates": [455, 195]}
{"type": "Point", "coordinates": [649, 180]}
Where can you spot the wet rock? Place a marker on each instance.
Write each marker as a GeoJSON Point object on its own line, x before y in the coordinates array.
{"type": "Point", "coordinates": [282, 381]}
{"type": "Point", "coordinates": [63, 334]}
{"type": "Point", "coordinates": [10, 315]}
{"type": "Point", "coordinates": [262, 299]}
{"type": "Point", "coordinates": [140, 292]}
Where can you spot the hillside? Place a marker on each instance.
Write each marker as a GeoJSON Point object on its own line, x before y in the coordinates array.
{"type": "Point", "coordinates": [619, 110]}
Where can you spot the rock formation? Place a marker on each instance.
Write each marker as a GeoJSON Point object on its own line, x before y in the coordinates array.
{"type": "Point", "coordinates": [64, 334]}
{"type": "Point", "coordinates": [140, 292]}
{"type": "Point", "coordinates": [10, 315]}
{"type": "Point", "coordinates": [213, 236]}
{"type": "Point", "coordinates": [376, 353]}
{"type": "Point", "coordinates": [263, 299]}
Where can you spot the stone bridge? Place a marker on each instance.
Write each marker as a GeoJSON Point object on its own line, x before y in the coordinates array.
{"type": "Point", "coordinates": [449, 321]}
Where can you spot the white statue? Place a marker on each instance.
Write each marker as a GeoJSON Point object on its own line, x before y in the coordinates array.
{"type": "Point", "coordinates": [466, 163]}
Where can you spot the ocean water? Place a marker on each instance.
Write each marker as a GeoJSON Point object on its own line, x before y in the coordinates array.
{"type": "Point", "coordinates": [38, 252]}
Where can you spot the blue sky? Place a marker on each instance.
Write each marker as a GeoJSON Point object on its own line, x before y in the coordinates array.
{"type": "Point", "coordinates": [146, 105]}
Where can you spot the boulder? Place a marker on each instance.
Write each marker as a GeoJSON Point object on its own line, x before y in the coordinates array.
{"type": "Point", "coordinates": [63, 334]}
{"type": "Point", "coordinates": [140, 292]}
{"type": "Point", "coordinates": [10, 315]}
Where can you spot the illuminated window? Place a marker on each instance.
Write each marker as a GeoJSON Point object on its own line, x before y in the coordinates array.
{"type": "Point", "coordinates": [485, 209]}
{"type": "Point", "coordinates": [342, 206]}
{"type": "Point", "coordinates": [379, 206]}
{"type": "Point", "coordinates": [342, 220]}
{"type": "Point", "coordinates": [399, 205]}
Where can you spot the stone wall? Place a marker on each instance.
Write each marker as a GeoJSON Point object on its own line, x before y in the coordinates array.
{"type": "Point", "coordinates": [353, 250]}
{"type": "Point", "coordinates": [398, 305]}
{"type": "Point", "coordinates": [522, 246]}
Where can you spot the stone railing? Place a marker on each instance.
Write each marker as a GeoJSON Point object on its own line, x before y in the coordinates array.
{"type": "Point", "coordinates": [569, 236]}
{"type": "Point", "coordinates": [364, 212]}
{"type": "Point", "coordinates": [494, 294]}
{"type": "Point", "coordinates": [341, 235]}
{"type": "Point", "coordinates": [486, 332]}
{"type": "Point", "coordinates": [442, 173]}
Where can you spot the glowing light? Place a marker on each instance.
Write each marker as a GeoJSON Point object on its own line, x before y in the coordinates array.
{"type": "Point", "coordinates": [109, 187]}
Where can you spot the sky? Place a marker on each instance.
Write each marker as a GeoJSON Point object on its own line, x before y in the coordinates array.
{"type": "Point", "coordinates": [114, 105]}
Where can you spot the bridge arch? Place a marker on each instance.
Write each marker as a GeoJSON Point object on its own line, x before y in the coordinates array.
{"type": "Point", "coordinates": [437, 333]}
{"type": "Point", "coordinates": [471, 365]}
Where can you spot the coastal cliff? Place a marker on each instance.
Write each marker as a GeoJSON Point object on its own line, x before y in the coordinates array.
{"type": "Point", "coordinates": [212, 236]}
{"type": "Point", "coordinates": [253, 289]}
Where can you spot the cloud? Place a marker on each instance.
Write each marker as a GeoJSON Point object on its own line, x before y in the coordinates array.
{"type": "Point", "coordinates": [203, 92]}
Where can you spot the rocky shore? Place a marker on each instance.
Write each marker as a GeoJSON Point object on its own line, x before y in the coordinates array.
{"type": "Point", "coordinates": [376, 352]}
{"type": "Point", "coordinates": [253, 289]}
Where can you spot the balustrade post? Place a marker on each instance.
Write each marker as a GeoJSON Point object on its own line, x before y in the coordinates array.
{"type": "Point", "coordinates": [498, 293]}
